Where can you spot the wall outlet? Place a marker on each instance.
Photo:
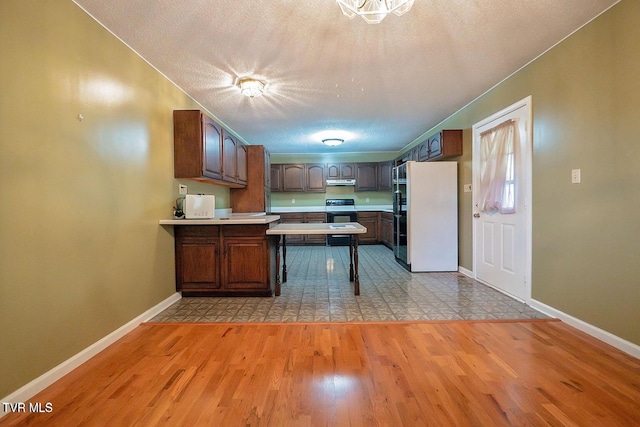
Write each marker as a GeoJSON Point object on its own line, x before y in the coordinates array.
{"type": "Point", "coordinates": [366, 200]}
{"type": "Point", "coordinates": [182, 189]}
{"type": "Point", "coordinates": [293, 201]}
{"type": "Point", "coordinates": [575, 176]}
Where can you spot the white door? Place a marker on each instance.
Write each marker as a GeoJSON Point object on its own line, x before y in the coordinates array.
{"type": "Point", "coordinates": [502, 241]}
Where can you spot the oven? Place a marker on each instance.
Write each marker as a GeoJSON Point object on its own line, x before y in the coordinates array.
{"type": "Point", "coordinates": [340, 210]}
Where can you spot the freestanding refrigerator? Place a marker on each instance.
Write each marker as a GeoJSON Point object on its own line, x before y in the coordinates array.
{"type": "Point", "coordinates": [425, 209]}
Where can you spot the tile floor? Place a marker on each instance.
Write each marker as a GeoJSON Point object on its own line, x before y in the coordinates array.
{"type": "Point", "coordinates": [318, 290]}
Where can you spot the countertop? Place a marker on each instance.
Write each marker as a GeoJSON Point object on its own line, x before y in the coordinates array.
{"type": "Point", "coordinates": [318, 228]}
{"type": "Point", "coordinates": [228, 219]}
{"type": "Point", "coordinates": [322, 208]}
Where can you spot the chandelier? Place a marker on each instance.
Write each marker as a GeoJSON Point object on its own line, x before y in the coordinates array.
{"type": "Point", "coordinates": [374, 11]}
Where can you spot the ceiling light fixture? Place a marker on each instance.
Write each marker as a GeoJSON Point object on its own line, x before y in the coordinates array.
{"type": "Point", "coordinates": [374, 11]}
{"type": "Point", "coordinates": [251, 87]}
{"type": "Point", "coordinates": [332, 142]}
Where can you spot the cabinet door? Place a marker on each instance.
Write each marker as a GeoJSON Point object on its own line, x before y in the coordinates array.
{"type": "Point", "coordinates": [347, 170]}
{"type": "Point", "coordinates": [276, 177]}
{"type": "Point", "coordinates": [369, 220]}
{"type": "Point", "coordinates": [212, 155]}
{"type": "Point", "coordinates": [293, 178]}
{"type": "Point", "coordinates": [229, 156]}
{"type": "Point", "coordinates": [315, 217]}
{"type": "Point", "coordinates": [267, 168]}
{"type": "Point", "coordinates": [386, 229]}
{"type": "Point", "coordinates": [333, 171]}
{"type": "Point", "coordinates": [197, 258]}
{"type": "Point", "coordinates": [246, 263]}
{"type": "Point", "coordinates": [435, 146]}
{"type": "Point", "coordinates": [241, 163]}
{"type": "Point", "coordinates": [366, 177]}
{"type": "Point", "coordinates": [315, 178]}
{"type": "Point", "coordinates": [296, 218]}
{"type": "Point", "coordinates": [385, 182]}
{"type": "Point", "coordinates": [423, 151]}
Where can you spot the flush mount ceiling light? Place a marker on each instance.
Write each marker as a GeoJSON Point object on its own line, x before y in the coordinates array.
{"type": "Point", "coordinates": [332, 142]}
{"type": "Point", "coordinates": [374, 11]}
{"type": "Point", "coordinates": [251, 87]}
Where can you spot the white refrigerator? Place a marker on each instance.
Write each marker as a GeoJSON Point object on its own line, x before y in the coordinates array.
{"type": "Point", "coordinates": [425, 207]}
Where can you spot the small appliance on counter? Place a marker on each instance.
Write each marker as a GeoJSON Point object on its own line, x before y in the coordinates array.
{"type": "Point", "coordinates": [199, 206]}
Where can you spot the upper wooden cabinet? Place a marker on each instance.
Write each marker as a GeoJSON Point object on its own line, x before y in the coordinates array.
{"type": "Point", "coordinates": [276, 177]}
{"type": "Point", "coordinates": [442, 145]}
{"type": "Point", "coordinates": [203, 151]}
{"type": "Point", "coordinates": [315, 178]}
{"type": "Point", "coordinates": [300, 177]}
{"type": "Point", "coordinates": [255, 197]}
{"type": "Point", "coordinates": [293, 177]}
{"type": "Point", "coordinates": [366, 177]}
{"type": "Point", "coordinates": [229, 158]}
{"type": "Point", "coordinates": [385, 179]}
{"type": "Point", "coordinates": [341, 171]}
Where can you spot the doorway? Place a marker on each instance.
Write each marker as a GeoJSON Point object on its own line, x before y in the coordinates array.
{"type": "Point", "coordinates": [502, 200]}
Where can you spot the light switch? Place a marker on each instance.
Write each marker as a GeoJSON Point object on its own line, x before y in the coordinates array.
{"type": "Point", "coordinates": [467, 188]}
{"type": "Point", "coordinates": [575, 176]}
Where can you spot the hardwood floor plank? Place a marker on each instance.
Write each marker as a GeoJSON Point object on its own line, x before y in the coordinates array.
{"type": "Point", "coordinates": [525, 373]}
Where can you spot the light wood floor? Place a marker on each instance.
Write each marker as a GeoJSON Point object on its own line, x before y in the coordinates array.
{"type": "Point", "coordinates": [461, 373]}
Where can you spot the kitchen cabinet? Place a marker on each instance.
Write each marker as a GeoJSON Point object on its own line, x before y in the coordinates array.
{"type": "Point", "coordinates": [366, 177]}
{"type": "Point", "coordinates": [309, 177]}
{"type": "Point", "coordinates": [315, 217]}
{"type": "Point", "coordinates": [277, 177]}
{"type": "Point", "coordinates": [228, 260]}
{"type": "Point", "coordinates": [256, 196]}
{"type": "Point", "coordinates": [203, 151]}
{"type": "Point", "coordinates": [229, 158]}
{"type": "Point", "coordinates": [445, 144]}
{"type": "Point", "coordinates": [341, 171]}
{"type": "Point", "coordinates": [386, 229]}
{"type": "Point", "coordinates": [369, 220]}
{"type": "Point", "coordinates": [293, 177]}
{"type": "Point", "coordinates": [385, 179]}
{"type": "Point", "coordinates": [241, 163]}
{"type": "Point", "coordinates": [304, 217]}
{"type": "Point", "coordinates": [423, 151]}
{"type": "Point", "coordinates": [315, 178]}
{"type": "Point", "coordinates": [442, 145]}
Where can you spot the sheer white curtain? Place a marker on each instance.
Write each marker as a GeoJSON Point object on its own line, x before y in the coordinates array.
{"type": "Point", "coordinates": [497, 168]}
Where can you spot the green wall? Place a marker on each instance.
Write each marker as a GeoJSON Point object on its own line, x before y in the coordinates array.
{"type": "Point", "coordinates": [586, 114]}
{"type": "Point", "coordinates": [81, 252]}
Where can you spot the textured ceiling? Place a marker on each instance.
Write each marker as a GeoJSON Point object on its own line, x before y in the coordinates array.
{"type": "Point", "coordinates": [382, 85]}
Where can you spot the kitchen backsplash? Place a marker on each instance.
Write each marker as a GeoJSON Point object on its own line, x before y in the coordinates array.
{"type": "Point", "coordinates": [317, 199]}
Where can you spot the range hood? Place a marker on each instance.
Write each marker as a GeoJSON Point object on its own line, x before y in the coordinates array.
{"type": "Point", "coordinates": [340, 182]}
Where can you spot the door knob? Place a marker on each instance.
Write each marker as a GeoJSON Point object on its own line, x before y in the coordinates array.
{"type": "Point", "coordinates": [476, 215]}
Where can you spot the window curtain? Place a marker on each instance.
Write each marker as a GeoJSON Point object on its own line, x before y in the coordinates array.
{"type": "Point", "coordinates": [497, 168]}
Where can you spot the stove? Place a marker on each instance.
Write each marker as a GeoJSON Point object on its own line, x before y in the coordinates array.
{"type": "Point", "coordinates": [340, 205]}
{"type": "Point", "coordinates": [340, 210]}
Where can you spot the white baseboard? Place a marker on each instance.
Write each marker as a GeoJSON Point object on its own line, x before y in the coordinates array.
{"type": "Point", "coordinates": [609, 338]}
{"type": "Point", "coordinates": [45, 380]}
{"type": "Point", "coordinates": [466, 272]}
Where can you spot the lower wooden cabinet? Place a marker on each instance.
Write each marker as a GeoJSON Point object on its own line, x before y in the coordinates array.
{"type": "Point", "coordinates": [305, 217]}
{"type": "Point", "coordinates": [386, 229]}
{"type": "Point", "coordinates": [369, 220]}
{"type": "Point", "coordinates": [225, 260]}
